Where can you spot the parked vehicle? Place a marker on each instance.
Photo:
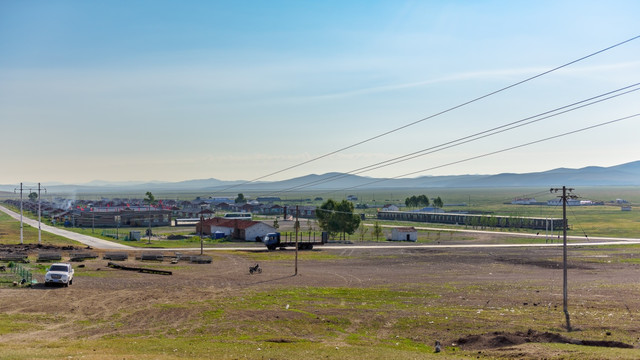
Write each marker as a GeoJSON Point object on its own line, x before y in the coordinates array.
{"type": "Point", "coordinates": [244, 216]}
{"type": "Point", "coordinates": [255, 269]}
{"type": "Point", "coordinates": [274, 240]}
{"type": "Point", "coordinates": [59, 273]}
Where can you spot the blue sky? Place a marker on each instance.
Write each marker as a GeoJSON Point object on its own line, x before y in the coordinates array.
{"type": "Point", "coordinates": [177, 90]}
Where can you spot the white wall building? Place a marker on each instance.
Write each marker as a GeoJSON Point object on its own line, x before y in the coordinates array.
{"type": "Point", "coordinates": [259, 229]}
{"type": "Point", "coordinates": [404, 234]}
{"type": "Point", "coordinates": [237, 228]}
{"type": "Point", "coordinates": [523, 201]}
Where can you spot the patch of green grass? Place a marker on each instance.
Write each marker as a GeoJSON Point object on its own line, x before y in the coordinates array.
{"type": "Point", "coordinates": [325, 297]}
{"type": "Point", "coordinates": [630, 261]}
{"type": "Point", "coordinates": [7, 280]}
{"type": "Point", "coordinates": [10, 323]}
{"type": "Point", "coordinates": [10, 233]}
{"type": "Point", "coordinates": [210, 315]}
{"type": "Point", "coordinates": [206, 347]}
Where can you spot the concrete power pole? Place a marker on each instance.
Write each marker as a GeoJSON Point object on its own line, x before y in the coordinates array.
{"type": "Point", "coordinates": [21, 226]}
{"type": "Point", "coordinates": [39, 213]}
{"type": "Point", "coordinates": [201, 229]}
{"type": "Point", "coordinates": [21, 188]}
{"type": "Point", "coordinates": [564, 251]}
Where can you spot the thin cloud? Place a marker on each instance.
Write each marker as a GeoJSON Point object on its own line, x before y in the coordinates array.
{"type": "Point", "coordinates": [473, 75]}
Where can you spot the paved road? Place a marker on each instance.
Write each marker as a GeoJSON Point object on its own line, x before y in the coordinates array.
{"type": "Point", "coordinates": [85, 239]}
{"type": "Point", "coordinates": [415, 246]}
{"type": "Point", "coordinates": [541, 235]}
{"type": "Point", "coordinates": [109, 245]}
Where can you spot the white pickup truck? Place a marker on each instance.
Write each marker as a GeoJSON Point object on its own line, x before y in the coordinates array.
{"type": "Point", "coordinates": [59, 273]}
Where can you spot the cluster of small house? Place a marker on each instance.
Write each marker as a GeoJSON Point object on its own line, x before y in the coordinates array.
{"type": "Point", "coordinates": [111, 213]}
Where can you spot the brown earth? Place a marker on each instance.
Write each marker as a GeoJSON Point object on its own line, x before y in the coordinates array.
{"type": "Point", "coordinates": [521, 289]}
{"type": "Point", "coordinates": [502, 339]}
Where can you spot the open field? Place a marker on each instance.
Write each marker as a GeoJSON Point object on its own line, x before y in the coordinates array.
{"type": "Point", "coordinates": [343, 304]}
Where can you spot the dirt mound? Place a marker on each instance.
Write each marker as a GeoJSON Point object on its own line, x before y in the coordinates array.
{"type": "Point", "coordinates": [545, 264]}
{"type": "Point", "coordinates": [502, 339]}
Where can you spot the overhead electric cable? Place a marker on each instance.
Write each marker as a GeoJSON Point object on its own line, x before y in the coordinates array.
{"type": "Point", "coordinates": [473, 137]}
{"type": "Point", "coordinates": [497, 151]}
{"type": "Point", "coordinates": [578, 223]}
{"type": "Point", "coordinates": [434, 115]}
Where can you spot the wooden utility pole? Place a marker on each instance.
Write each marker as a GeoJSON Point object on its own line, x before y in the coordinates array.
{"type": "Point", "coordinates": [565, 290]}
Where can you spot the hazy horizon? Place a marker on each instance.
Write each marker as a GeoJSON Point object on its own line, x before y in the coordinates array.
{"type": "Point", "coordinates": [100, 182]}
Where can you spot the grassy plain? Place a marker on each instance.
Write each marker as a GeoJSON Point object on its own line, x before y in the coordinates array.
{"type": "Point", "coordinates": [344, 304]}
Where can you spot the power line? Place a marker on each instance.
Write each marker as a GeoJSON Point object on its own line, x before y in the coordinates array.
{"type": "Point", "coordinates": [477, 136]}
{"type": "Point", "coordinates": [497, 151]}
{"type": "Point", "coordinates": [433, 115]}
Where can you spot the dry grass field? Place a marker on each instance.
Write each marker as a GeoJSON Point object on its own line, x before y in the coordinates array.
{"type": "Point", "coordinates": [343, 304]}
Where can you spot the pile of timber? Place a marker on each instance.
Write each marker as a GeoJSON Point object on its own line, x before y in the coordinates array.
{"type": "Point", "coordinates": [142, 270]}
{"type": "Point", "coordinates": [15, 257]}
{"type": "Point", "coordinates": [152, 256]}
{"type": "Point", "coordinates": [201, 259]}
{"type": "Point", "coordinates": [116, 256]}
{"type": "Point", "coordinates": [81, 256]}
{"type": "Point", "coordinates": [46, 257]}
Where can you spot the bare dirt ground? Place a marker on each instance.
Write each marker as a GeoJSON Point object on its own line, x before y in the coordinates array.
{"type": "Point", "coordinates": [485, 301]}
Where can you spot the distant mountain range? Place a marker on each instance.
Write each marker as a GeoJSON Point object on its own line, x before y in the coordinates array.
{"type": "Point", "coordinates": [620, 175]}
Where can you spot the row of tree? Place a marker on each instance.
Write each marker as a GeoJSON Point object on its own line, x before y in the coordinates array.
{"type": "Point", "coordinates": [423, 201]}
{"type": "Point", "coordinates": [337, 218]}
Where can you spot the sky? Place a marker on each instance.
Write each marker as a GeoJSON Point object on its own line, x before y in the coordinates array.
{"type": "Point", "coordinates": [238, 90]}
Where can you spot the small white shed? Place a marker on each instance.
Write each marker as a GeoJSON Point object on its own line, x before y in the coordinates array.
{"type": "Point", "coordinates": [404, 234]}
{"type": "Point", "coordinates": [257, 229]}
